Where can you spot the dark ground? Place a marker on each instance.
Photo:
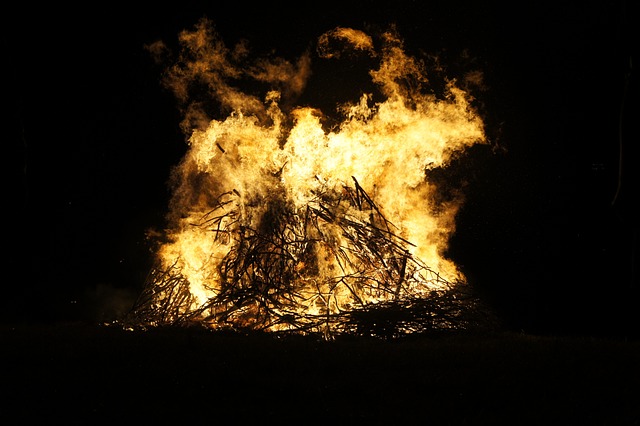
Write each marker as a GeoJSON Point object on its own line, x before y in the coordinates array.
{"type": "Point", "coordinates": [75, 373]}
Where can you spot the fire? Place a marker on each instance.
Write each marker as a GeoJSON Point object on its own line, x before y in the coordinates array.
{"type": "Point", "coordinates": [282, 222]}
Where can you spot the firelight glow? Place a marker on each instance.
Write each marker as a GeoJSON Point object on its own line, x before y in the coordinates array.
{"type": "Point", "coordinates": [274, 216]}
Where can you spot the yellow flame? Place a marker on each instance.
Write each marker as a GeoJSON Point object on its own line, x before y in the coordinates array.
{"type": "Point", "coordinates": [237, 163]}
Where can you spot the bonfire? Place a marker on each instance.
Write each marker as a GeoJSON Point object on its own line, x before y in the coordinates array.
{"type": "Point", "coordinates": [279, 223]}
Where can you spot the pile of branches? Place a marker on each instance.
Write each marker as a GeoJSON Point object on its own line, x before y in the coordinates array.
{"type": "Point", "coordinates": [290, 273]}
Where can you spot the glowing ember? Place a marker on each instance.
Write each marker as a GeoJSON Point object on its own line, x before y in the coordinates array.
{"type": "Point", "coordinates": [279, 223]}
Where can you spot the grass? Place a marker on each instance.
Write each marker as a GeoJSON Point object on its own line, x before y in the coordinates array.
{"type": "Point", "coordinates": [79, 373]}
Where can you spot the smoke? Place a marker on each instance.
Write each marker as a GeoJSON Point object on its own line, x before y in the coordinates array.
{"type": "Point", "coordinates": [105, 302]}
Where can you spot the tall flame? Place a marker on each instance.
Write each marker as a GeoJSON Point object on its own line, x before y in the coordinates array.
{"type": "Point", "coordinates": [313, 197]}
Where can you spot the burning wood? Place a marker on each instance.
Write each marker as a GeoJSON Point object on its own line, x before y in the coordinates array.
{"type": "Point", "coordinates": [270, 281]}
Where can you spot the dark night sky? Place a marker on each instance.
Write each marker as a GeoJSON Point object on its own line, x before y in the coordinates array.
{"type": "Point", "coordinates": [93, 136]}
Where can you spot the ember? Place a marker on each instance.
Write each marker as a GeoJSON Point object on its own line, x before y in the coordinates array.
{"type": "Point", "coordinates": [282, 225]}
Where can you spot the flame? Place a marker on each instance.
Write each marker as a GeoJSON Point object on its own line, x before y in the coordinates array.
{"type": "Point", "coordinates": [267, 164]}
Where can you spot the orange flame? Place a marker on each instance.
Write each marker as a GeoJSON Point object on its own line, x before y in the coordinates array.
{"type": "Point", "coordinates": [264, 150]}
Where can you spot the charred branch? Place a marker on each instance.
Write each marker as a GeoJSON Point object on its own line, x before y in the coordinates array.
{"type": "Point", "coordinates": [290, 274]}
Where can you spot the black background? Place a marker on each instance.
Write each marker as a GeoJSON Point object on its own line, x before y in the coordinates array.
{"type": "Point", "coordinates": [92, 136]}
